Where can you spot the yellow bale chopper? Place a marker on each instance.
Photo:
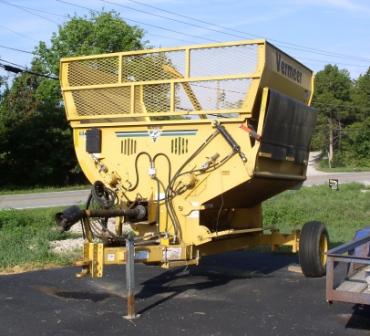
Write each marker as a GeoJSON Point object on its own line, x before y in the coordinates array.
{"type": "Point", "coordinates": [182, 146]}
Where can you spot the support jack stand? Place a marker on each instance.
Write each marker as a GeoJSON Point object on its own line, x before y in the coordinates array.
{"type": "Point", "coordinates": [130, 279]}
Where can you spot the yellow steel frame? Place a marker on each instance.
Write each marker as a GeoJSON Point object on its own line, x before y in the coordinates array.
{"type": "Point", "coordinates": [265, 68]}
{"type": "Point", "coordinates": [96, 255]}
{"type": "Point", "coordinates": [130, 117]}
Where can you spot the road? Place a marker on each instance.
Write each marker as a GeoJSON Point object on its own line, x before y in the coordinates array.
{"type": "Point", "coordinates": [360, 177]}
{"type": "Point", "coordinates": [43, 200]}
{"type": "Point", "coordinates": [65, 198]}
{"type": "Point", "coordinates": [240, 293]}
{"type": "Point", "coordinates": [317, 177]}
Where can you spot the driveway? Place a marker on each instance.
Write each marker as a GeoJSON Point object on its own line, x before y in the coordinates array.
{"type": "Point", "coordinates": [240, 293]}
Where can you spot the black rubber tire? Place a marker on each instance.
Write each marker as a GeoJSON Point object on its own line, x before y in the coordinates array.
{"type": "Point", "coordinates": [310, 256]}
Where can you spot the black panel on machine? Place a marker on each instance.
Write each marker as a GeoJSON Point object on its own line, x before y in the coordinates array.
{"type": "Point", "coordinates": [288, 128]}
{"type": "Point", "coordinates": [93, 140]}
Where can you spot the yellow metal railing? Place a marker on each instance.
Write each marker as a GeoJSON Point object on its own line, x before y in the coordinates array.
{"type": "Point", "coordinates": [193, 82]}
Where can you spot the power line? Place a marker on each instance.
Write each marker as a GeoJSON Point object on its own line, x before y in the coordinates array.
{"type": "Point", "coordinates": [337, 63]}
{"type": "Point", "coordinates": [143, 23]}
{"type": "Point", "coordinates": [156, 26]}
{"type": "Point", "coordinates": [157, 35]}
{"type": "Point", "coordinates": [16, 49]}
{"type": "Point", "coordinates": [291, 45]}
{"type": "Point", "coordinates": [18, 68]}
{"type": "Point", "coordinates": [298, 47]}
{"type": "Point", "coordinates": [169, 37]}
{"type": "Point", "coordinates": [3, 60]}
{"type": "Point", "coordinates": [18, 33]}
{"type": "Point", "coordinates": [43, 11]}
{"type": "Point", "coordinates": [25, 9]}
{"type": "Point", "coordinates": [169, 18]}
{"type": "Point", "coordinates": [15, 68]}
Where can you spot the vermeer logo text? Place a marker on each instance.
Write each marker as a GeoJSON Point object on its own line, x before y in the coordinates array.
{"type": "Point", "coordinates": [287, 69]}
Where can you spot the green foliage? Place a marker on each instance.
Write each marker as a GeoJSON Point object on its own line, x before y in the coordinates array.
{"type": "Point", "coordinates": [331, 99]}
{"type": "Point", "coordinates": [35, 140]}
{"type": "Point", "coordinates": [25, 237]}
{"type": "Point", "coordinates": [343, 211]}
{"type": "Point", "coordinates": [34, 131]}
{"type": "Point", "coordinates": [356, 144]}
{"type": "Point", "coordinates": [333, 83]}
{"type": "Point", "coordinates": [3, 86]}
{"type": "Point", "coordinates": [343, 107]}
{"type": "Point", "coordinates": [103, 32]}
{"type": "Point", "coordinates": [361, 95]}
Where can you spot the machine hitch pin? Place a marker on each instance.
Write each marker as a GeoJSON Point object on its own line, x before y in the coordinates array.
{"type": "Point", "coordinates": [130, 279]}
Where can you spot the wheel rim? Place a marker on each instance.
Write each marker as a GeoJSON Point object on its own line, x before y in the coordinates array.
{"type": "Point", "coordinates": [323, 249]}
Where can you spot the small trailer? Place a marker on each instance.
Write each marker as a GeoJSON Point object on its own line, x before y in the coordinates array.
{"type": "Point", "coordinates": [348, 270]}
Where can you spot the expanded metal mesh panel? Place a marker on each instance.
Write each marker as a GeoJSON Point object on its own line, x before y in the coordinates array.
{"type": "Point", "coordinates": [93, 71]}
{"type": "Point", "coordinates": [220, 61]}
{"type": "Point", "coordinates": [102, 101]}
{"type": "Point", "coordinates": [211, 95]}
{"type": "Point", "coordinates": [153, 66]}
{"type": "Point", "coordinates": [157, 98]}
{"type": "Point", "coordinates": [187, 80]}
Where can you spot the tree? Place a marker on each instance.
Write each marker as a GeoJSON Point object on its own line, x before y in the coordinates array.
{"type": "Point", "coordinates": [356, 144]}
{"type": "Point", "coordinates": [361, 96]}
{"type": "Point", "coordinates": [35, 139]}
{"type": "Point", "coordinates": [102, 32]}
{"type": "Point", "coordinates": [332, 99]}
{"type": "Point", "coordinates": [32, 130]}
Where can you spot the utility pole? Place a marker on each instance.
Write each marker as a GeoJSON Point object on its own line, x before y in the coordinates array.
{"type": "Point", "coordinates": [331, 141]}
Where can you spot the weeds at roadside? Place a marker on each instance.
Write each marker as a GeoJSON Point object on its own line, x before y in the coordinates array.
{"type": "Point", "coordinates": [343, 212]}
{"type": "Point", "coordinates": [25, 235]}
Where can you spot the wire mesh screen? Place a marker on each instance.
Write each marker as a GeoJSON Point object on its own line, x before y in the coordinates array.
{"type": "Point", "coordinates": [219, 61]}
{"type": "Point", "coordinates": [153, 66]}
{"type": "Point", "coordinates": [156, 98]}
{"type": "Point", "coordinates": [171, 82]}
{"type": "Point", "coordinates": [211, 95]}
{"type": "Point", "coordinates": [102, 101]}
{"type": "Point", "coordinates": [93, 71]}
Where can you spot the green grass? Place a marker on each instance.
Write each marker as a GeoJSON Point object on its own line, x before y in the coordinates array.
{"type": "Point", "coordinates": [323, 165]}
{"type": "Point", "coordinates": [25, 234]}
{"type": "Point", "coordinates": [25, 237]}
{"type": "Point", "coordinates": [343, 169]}
{"type": "Point", "coordinates": [343, 211]}
{"type": "Point", "coordinates": [18, 190]}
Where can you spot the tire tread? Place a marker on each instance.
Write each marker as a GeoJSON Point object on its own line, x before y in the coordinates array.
{"type": "Point", "coordinates": [309, 248]}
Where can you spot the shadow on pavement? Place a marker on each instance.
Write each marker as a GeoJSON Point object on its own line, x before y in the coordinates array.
{"type": "Point", "coordinates": [360, 318]}
{"type": "Point", "coordinates": [213, 271]}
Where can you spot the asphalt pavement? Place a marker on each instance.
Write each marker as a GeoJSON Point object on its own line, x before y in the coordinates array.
{"type": "Point", "coordinates": [239, 293]}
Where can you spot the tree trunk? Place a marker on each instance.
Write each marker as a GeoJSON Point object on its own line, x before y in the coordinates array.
{"type": "Point", "coordinates": [331, 143]}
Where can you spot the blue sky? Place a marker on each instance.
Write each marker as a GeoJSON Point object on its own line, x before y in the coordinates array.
{"type": "Point", "coordinates": [335, 26]}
